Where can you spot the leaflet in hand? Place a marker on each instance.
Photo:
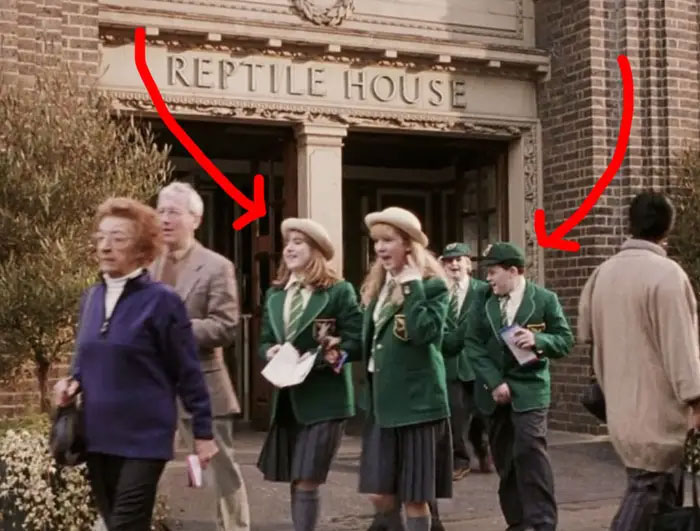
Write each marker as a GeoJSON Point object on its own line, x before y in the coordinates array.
{"type": "Point", "coordinates": [522, 355]}
{"type": "Point", "coordinates": [194, 472]}
{"type": "Point", "coordinates": [287, 367]}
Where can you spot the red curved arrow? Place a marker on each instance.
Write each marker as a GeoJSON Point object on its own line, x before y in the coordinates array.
{"type": "Point", "coordinates": [555, 240]}
{"type": "Point", "coordinates": [255, 208]}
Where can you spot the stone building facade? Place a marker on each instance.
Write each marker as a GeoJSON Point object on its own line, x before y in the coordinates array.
{"type": "Point", "coordinates": [473, 113]}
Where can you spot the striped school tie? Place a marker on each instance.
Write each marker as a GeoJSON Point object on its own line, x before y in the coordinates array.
{"type": "Point", "coordinates": [504, 305]}
{"type": "Point", "coordinates": [296, 308]}
{"type": "Point", "coordinates": [454, 303]}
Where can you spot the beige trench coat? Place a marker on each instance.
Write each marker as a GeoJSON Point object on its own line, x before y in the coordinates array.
{"type": "Point", "coordinates": [639, 311]}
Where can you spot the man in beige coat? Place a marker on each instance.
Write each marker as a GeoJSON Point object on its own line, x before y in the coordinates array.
{"type": "Point", "coordinates": [206, 282]}
{"type": "Point", "coordinates": [639, 312]}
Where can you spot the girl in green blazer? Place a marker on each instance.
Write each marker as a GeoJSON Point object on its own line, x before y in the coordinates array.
{"type": "Point", "coordinates": [407, 445]}
{"type": "Point", "coordinates": [310, 307]}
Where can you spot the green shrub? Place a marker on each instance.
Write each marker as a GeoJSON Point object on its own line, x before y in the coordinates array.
{"type": "Point", "coordinates": [62, 152]}
{"type": "Point", "coordinates": [684, 244]}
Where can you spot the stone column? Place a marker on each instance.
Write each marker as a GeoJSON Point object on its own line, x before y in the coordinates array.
{"type": "Point", "coordinates": [320, 174]}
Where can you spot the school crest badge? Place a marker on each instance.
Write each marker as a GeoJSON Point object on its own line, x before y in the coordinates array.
{"type": "Point", "coordinates": [536, 327]}
{"type": "Point", "coordinates": [400, 330]}
{"type": "Point", "coordinates": [323, 328]}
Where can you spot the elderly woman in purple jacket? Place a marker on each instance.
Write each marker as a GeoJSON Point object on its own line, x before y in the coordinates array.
{"type": "Point", "coordinates": [135, 353]}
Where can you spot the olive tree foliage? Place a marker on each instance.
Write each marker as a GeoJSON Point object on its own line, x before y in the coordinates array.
{"type": "Point", "coordinates": [62, 152]}
{"type": "Point", "coordinates": [685, 238]}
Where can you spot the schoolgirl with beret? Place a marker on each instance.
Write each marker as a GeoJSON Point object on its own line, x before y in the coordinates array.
{"type": "Point", "coordinates": [407, 445]}
{"type": "Point", "coordinates": [312, 308]}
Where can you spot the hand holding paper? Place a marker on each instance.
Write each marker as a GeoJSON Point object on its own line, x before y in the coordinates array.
{"type": "Point", "coordinates": [287, 367]}
{"type": "Point", "coordinates": [514, 336]}
{"type": "Point", "coordinates": [524, 338]}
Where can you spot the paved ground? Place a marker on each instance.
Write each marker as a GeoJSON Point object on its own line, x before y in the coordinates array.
{"type": "Point", "coordinates": [589, 482]}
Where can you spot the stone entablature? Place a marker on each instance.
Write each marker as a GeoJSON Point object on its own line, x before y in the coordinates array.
{"type": "Point", "coordinates": [489, 32]}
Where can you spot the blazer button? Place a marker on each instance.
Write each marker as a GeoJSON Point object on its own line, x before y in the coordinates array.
{"type": "Point", "coordinates": [486, 387]}
{"type": "Point", "coordinates": [378, 347]}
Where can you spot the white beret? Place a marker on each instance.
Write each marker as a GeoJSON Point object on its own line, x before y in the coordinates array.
{"type": "Point", "coordinates": [313, 230]}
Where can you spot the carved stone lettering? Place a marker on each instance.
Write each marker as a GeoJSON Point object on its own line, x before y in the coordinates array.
{"type": "Point", "coordinates": [333, 82]}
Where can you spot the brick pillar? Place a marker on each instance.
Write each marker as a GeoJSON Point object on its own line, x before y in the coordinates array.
{"type": "Point", "coordinates": [40, 32]}
{"type": "Point", "coordinates": [8, 41]}
{"type": "Point", "coordinates": [81, 35]}
{"type": "Point", "coordinates": [580, 108]}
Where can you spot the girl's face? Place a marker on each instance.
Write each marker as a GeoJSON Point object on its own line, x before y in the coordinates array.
{"type": "Point", "coordinates": [297, 252]}
{"type": "Point", "coordinates": [392, 251]}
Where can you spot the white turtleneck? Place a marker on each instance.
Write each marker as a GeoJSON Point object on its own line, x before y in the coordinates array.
{"type": "Point", "coordinates": [115, 286]}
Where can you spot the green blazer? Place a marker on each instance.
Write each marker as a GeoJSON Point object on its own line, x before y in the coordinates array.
{"type": "Point", "coordinates": [408, 384]}
{"type": "Point", "coordinates": [493, 362]}
{"type": "Point", "coordinates": [324, 395]}
{"type": "Point", "coordinates": [456, 360]}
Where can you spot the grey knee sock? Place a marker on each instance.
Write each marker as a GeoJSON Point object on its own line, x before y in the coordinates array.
{"type": "Point", "coordinates": [305, 509]}
{"type": "Point", "coordinates": [393, 519]}
{"type": "Point", "coordinates": [419, 523]}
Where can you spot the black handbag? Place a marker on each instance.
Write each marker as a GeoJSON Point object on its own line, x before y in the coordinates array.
{"type": "Point", "coordinates": [593, 400]}
{"type": "Point", "coordinates": [684, 518]}
{"type": "Point", "coordinates": [67, 437]}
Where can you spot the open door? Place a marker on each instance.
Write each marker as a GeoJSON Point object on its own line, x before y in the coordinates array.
{"type": "Point", "coordinates": [281, 197]}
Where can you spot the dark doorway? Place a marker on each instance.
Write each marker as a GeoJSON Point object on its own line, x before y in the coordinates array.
{"type": "Point", "coordinates": [456, 186]}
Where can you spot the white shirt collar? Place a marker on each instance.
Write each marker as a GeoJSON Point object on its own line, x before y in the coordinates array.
{"type": "Point", "coordinates": [462, 284]}
{"type": "Point", "coordinates": [122, 280]}
{"type": "Point", "coordinates": [388, 277]}
{"type": "Point", "coordinates": [293, 279]}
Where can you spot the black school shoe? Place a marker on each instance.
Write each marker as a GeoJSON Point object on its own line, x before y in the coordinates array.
{"type": "Point", "coordinates": [436, 525]}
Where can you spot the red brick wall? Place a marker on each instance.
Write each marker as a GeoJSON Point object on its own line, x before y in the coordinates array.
{"type": "Point", "coordinates": [580, 108]}
{"type": "Point", "coordinates": [36, 32]}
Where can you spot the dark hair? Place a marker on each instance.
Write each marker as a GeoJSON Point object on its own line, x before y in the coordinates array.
{"type": "Point", "coordinates": [651, 216]}
{"type": "Point", "coordinates": [507, 264]}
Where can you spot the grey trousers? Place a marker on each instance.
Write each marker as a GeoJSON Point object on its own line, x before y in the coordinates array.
{"type": "Point", "coordinates": [233, 513]}
{"type": "Point", "coordinates": [647, 494]}
{"type": "Point", "coordinates": [466, 424]}
{"type": "Point", "coordinates": [519, 449]}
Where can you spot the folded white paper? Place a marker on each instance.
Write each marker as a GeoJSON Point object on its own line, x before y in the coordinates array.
{"type": "Point", "coordinates": [287, 367]}
{"type": "Point", "coordinates": [522, 355]}
{"type": "Point", "coordinates": [194, 472]}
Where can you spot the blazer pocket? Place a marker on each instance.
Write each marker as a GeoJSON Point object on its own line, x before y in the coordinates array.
{"type": "Point", "coordinates": [400, 327]}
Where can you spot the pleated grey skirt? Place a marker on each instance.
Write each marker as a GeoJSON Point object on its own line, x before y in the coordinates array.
{"type": "Point", "coordinates": [294, 452]}
{"type": "Point", "coordinates": [413, 462]}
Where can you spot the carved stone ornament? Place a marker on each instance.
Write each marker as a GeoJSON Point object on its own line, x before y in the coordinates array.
{"type": "Point", "coordinates": [325, 16]}
{"type": "Point", "coordinates": [531, 197]}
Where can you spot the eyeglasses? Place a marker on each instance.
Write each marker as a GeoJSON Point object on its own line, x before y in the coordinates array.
{"type": "Point", "coordinates": [173, 212]}
{"type": "Point", "coordinates": [118, 240]}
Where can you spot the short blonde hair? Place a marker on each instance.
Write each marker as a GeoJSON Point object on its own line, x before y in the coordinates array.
{"type": "Point", "coordinates": [427, 264]}
{"type": "Point", "coordinates": [148, 242]}
{"type": "Point", "coordinates": [318, 274]}
{"type": "Point", "coordinates": [195, 205]}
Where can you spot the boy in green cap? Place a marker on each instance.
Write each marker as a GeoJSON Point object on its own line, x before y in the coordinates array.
{"type": "Point", "coordinates": [465, 292]}
{"type": "Point", "coordinates": [509, 343]}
